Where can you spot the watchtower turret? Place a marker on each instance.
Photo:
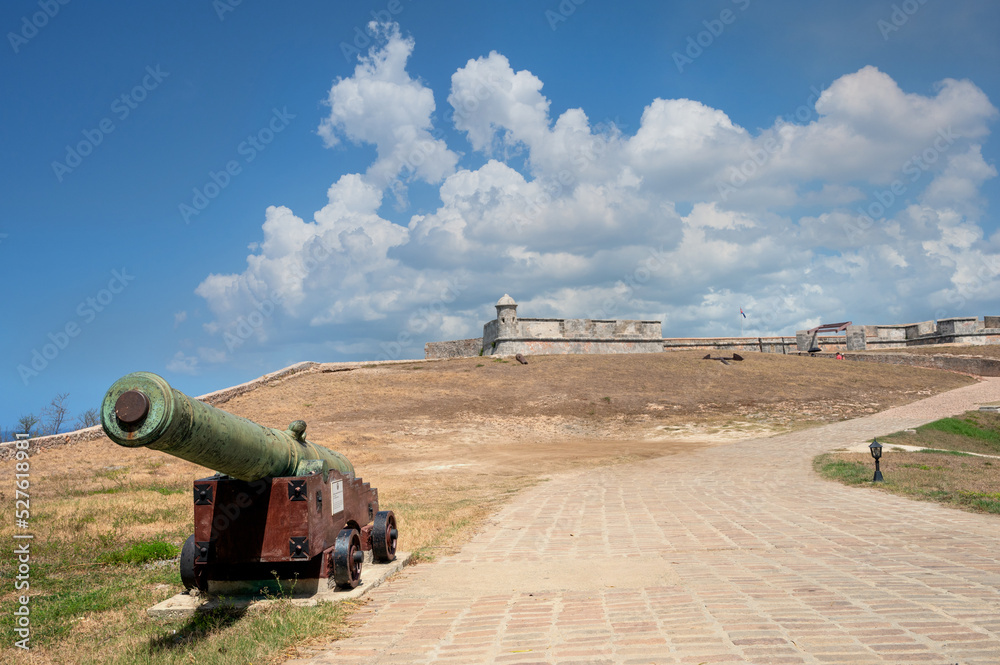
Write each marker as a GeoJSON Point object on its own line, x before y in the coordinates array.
{"type": "Point", "coordinates": [506, 317]}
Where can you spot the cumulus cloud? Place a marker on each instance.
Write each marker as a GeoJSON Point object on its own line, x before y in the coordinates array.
{"type": "Point", "coordinates": [182, 363]}
{"type": "Point", "coordinates": [383, 106]}
{"type": "Point", "coordinates": [870, 209]}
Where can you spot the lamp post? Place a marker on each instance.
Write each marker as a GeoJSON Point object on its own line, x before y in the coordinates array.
{"type": "Point", "coordinates": [876, 449]}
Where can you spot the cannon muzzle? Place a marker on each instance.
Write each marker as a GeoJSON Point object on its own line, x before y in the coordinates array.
{"type": "Point", "coordinates": [142, 410]}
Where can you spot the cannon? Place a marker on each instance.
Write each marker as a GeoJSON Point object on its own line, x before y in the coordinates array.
{"type": "Point", "coordinates": [280, 512]}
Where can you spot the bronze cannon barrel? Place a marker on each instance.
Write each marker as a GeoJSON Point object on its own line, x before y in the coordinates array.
{"type": "Point", "coordinates": [142, 410]}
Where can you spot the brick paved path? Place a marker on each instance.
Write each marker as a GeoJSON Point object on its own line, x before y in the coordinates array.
{"type": "Point", "coordinates": [729, 554]}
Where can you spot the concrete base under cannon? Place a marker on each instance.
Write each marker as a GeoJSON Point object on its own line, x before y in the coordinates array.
{"type": "Point", "coordinates": [306, 593]}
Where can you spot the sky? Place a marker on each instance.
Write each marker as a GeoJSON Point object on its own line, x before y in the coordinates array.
{"type": "Point", "coordinates": [215, 190]}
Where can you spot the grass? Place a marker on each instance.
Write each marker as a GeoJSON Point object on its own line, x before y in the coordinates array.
{"type": "Point", "coordinates": [106, 545]}
{"type": "Point", "coordinates": [101, 555]}
{"type": "Point", "coordinates": [445, 446]}
{"type": "Point", "coordinates": [150, 550]}
{"type": "Point", "coordinates": [949, 471]}
{"type": "Point", "coordinates": [972, 432]}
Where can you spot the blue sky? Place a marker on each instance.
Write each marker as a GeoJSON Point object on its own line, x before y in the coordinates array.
{"type": "Point", "coordinates": [212, 191]}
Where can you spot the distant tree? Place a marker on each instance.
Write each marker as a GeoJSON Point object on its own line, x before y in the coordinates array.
{"type": "Point", "coordinates": [55, 414]}
{"type": "Point", "coordinates": [27, 424]}
{"type": "Point", "coordinates": [88, 418]}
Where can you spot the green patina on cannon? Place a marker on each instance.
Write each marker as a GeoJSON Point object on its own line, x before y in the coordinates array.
{"type": "Point", "coordinates": [142, 410]}
{"type": "Point", "coordinates": [280, 513]}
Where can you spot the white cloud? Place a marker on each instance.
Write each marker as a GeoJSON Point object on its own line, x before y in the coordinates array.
{"type": "Point", "coordinates": [590, 226]}
{"type": "Point", "coordinates": [383, 106]}
{"type": "Point", "coordinates": [182, 363]}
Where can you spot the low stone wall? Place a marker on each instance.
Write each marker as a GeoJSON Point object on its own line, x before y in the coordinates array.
{"type": "Point", "coordinates": [460, 348]}
{"type": "Point", "coordinates": [566, 346]}
{"type": "Point", "coordinates": [956, 330]}
{"type": "Point", "coordinates": [826, 342]}
{"type": "Point", "coordinates": [759, 344]}
{"type": "Point", "coordinates": [974, 365]}
{"type": "Point", "coordinates": [215, 398]}
{"type": "Point", "coordinates": [7, 449]}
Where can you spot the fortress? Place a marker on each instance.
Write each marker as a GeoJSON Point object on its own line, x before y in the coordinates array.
{"type": "Point", "coordinates": [509, 334]}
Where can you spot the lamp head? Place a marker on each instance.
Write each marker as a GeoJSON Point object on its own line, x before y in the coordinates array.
{"type": "Point", "coordinates": [876, 448]}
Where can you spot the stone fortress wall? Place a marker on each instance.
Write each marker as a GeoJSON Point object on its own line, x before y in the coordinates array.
{"type": "Point", "coordinates": [509, 334]}
{"type": "Point", "coordinates": [956, 330]}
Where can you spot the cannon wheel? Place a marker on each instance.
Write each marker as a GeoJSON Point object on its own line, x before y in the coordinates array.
{"type": "Point", "coordinates": [384, 535]}
{"type": "Point", "coordinates": [188, 576]}
{"type": "Point", "coordinates": [347, 558]}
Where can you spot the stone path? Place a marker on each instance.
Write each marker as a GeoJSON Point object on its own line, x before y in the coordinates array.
{"type": "Point", "coordinates": [730, 554]}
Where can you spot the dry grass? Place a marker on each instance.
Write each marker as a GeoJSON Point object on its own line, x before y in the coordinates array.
{"type": "Point", "coordinates": [944, 471]}
{"type": "Point", "coordinates": [446, 443]}
{"type": "Point", "coordinates": [965, 481]}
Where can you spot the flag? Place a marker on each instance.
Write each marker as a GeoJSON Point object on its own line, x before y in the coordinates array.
{"type": "Point", "coordinates": [741, 312]}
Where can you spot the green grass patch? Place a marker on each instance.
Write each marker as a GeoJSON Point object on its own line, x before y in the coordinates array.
{"type": "Point", "coordinates": [845, 471]}
{"type": "Point", "coordinates": [165, 490]}
{"type": "Point", "coordinates": [965, 481]}
{"type": "Point", "coordinates": [971, 432]}
{"type": "Point", "coordinates": [963, 428]}
{"type": "Point", "coordinates": [986, 502]}
{"type": "Point", "coordinates": [932, 451]}
{"type": "Point", "coordinates": [151, 550]}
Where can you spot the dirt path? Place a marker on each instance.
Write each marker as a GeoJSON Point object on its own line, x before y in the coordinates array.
{"type": "Point", "coordinates": [735, 553]}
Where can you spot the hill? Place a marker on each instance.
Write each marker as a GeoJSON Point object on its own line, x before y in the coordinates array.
{"type": "Point", "coordinates": [446, 442]}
